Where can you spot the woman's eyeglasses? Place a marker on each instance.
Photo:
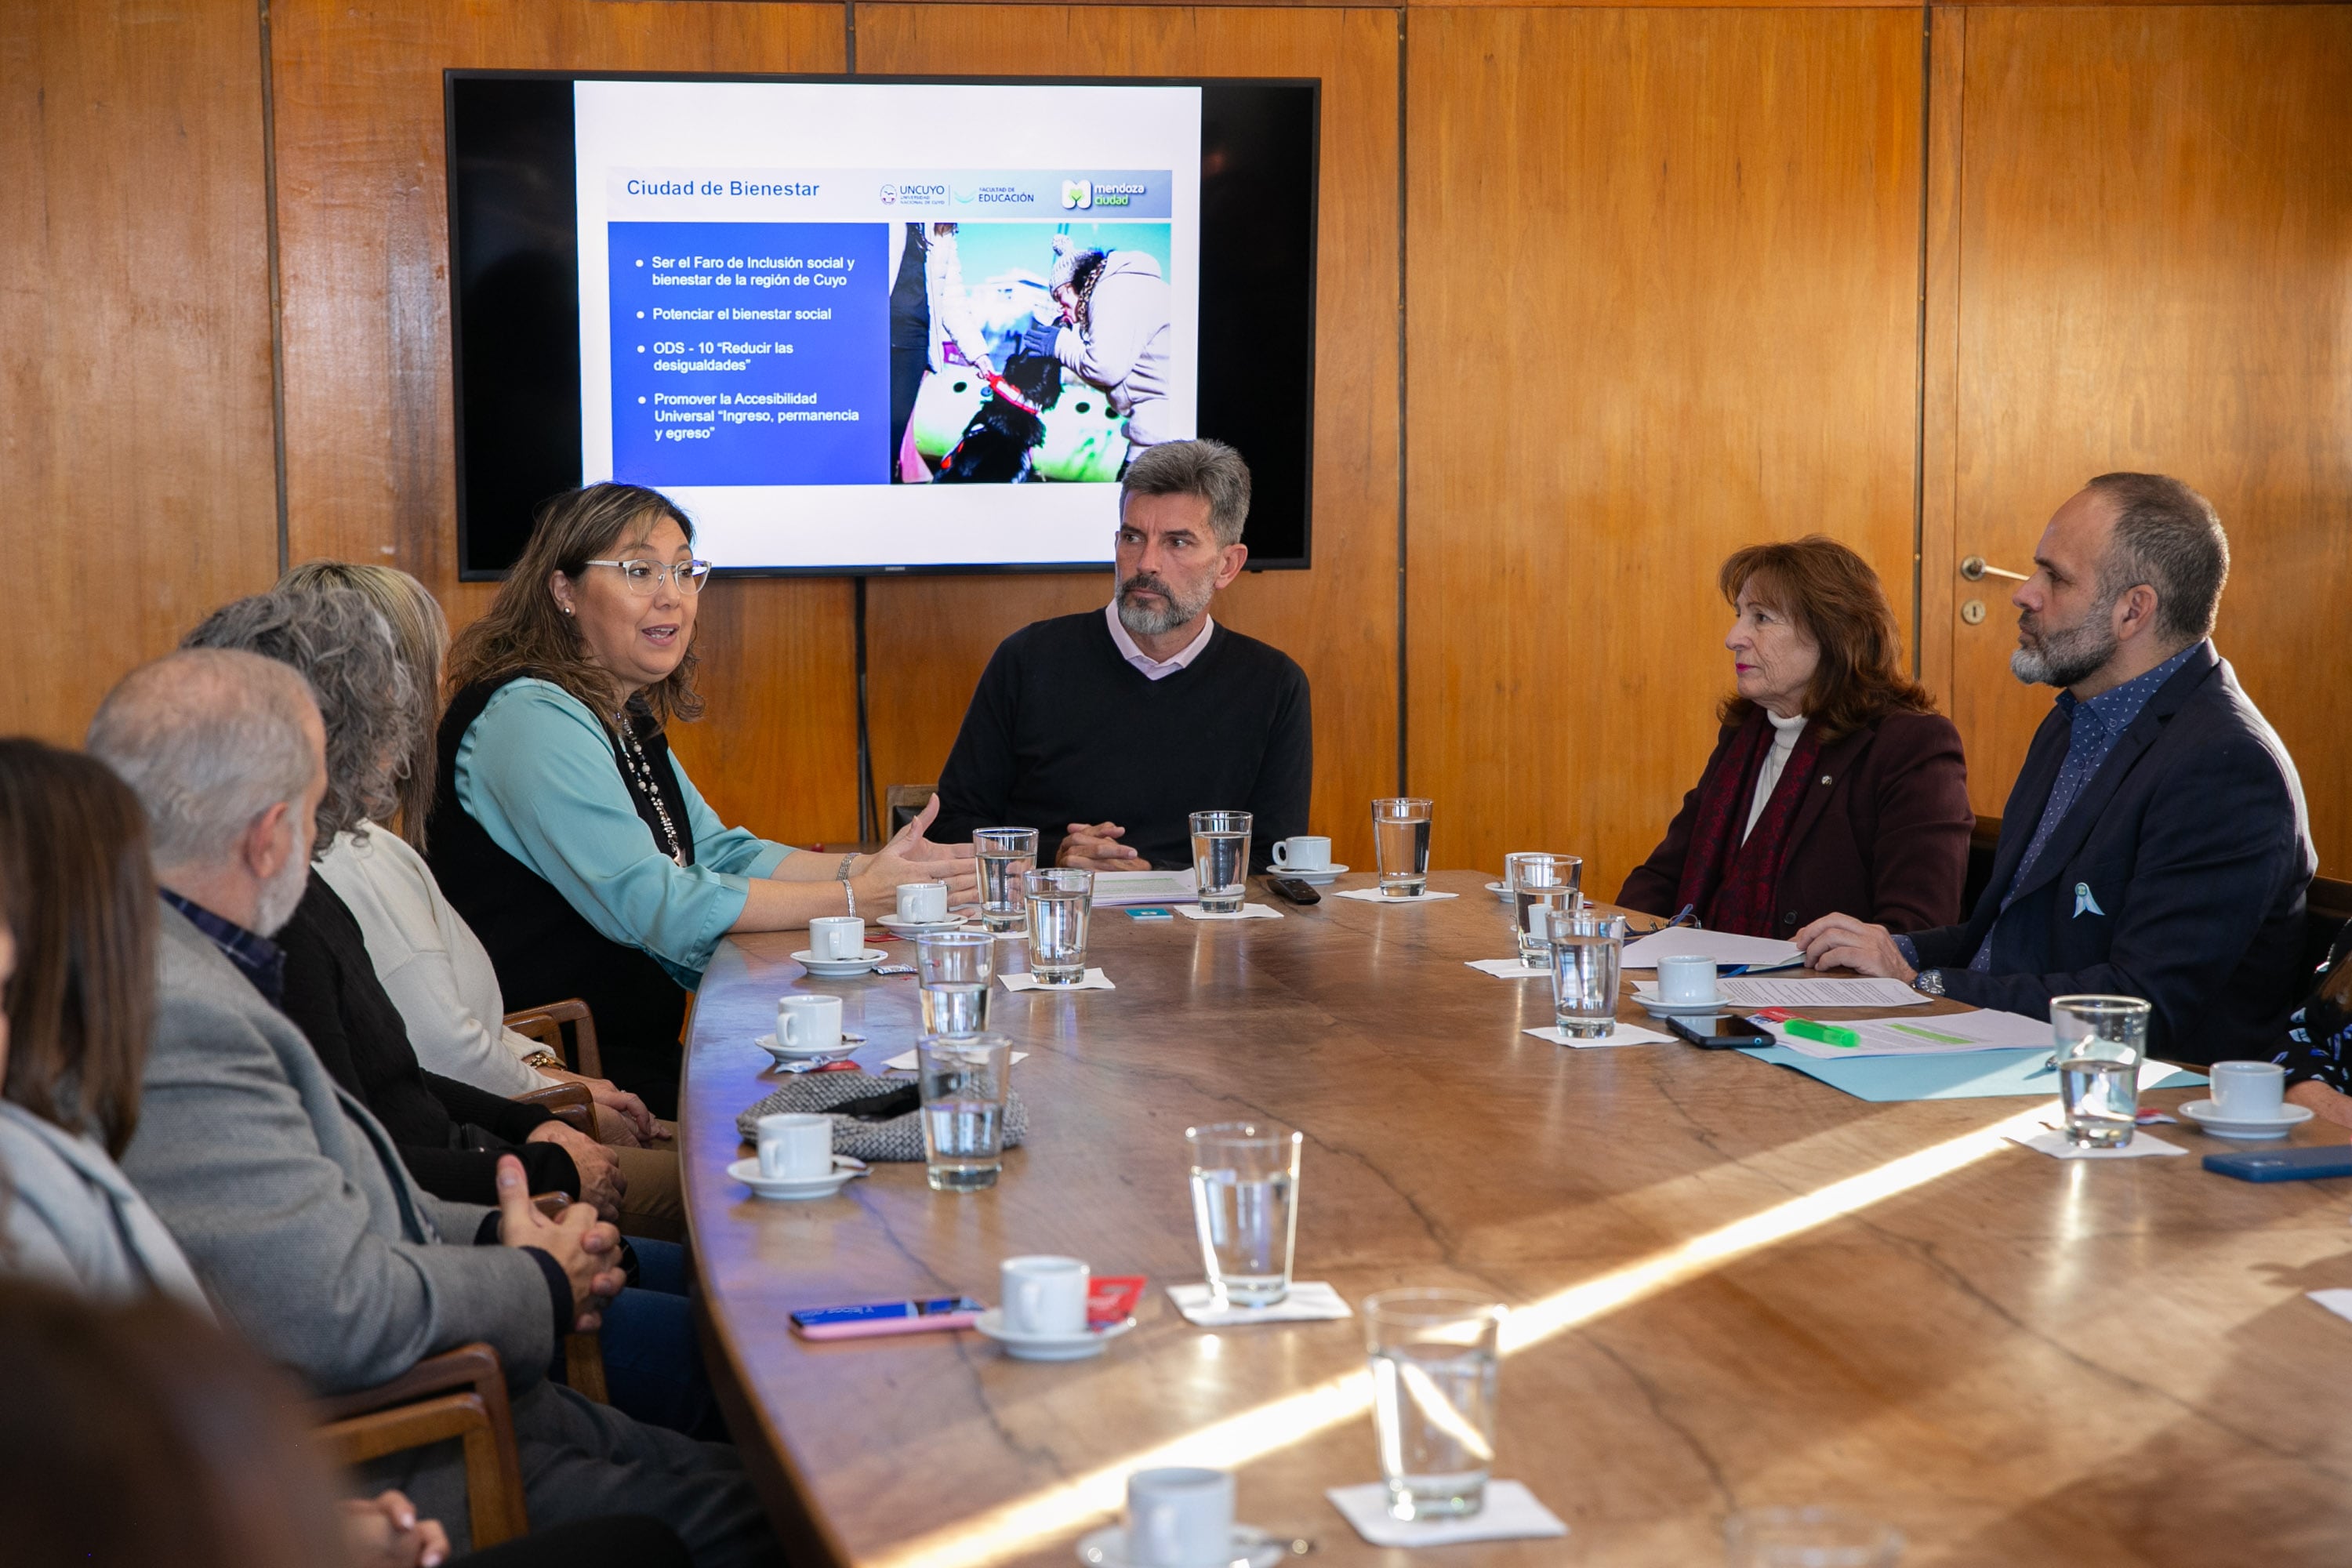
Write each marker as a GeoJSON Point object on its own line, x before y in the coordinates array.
{"type": "Point", "coordinates": [644, 576]}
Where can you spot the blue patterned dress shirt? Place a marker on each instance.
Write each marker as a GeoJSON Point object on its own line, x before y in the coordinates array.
{"type": "Point", "coordinates": [257, 957]}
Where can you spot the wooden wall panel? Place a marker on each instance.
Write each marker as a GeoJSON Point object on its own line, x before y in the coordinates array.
{"type": "Point", "coordinates": [929, 637]}
{"type": "Point", "coordinates": [2154, 272]}
{"type": "Point", "coordinates": [134, 340]}
{"type": "Point", "coordinates": [1661, 302]}
{"type": "Point", "coordinates": [370, 467]}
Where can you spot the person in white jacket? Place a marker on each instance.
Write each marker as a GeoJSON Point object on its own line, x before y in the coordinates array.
{"type": "Point", "coordinates": [928, 309]}
{"type": "Point", "coordinates": [1114, 310]}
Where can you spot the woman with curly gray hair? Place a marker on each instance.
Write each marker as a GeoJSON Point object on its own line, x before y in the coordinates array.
{"type": "Point", "coordinates": [450, 1134]}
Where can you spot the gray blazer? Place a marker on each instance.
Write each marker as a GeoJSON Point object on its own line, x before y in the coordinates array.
{"type": "Point", "coordinates": [68, 1217]}
{"type": "Point", "coordinates": [291, 1201]}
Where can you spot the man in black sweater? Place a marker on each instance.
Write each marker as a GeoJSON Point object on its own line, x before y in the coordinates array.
{"type": "Point", "coordinates": [1105, 731]}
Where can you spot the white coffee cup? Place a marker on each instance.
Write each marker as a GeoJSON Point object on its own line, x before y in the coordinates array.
{"type": "Point", "coordinates": [1305, 853]}
{"type": "Point", "coordinates": [796, 1146]}
{"type": "Point", "coordinates": [1687, 978]}
{"type": "Point", "coordinates": [2251, 1091]}
{"type": "Point", "coordinates": [805, 1022]}
{"type": "Point", "coordinates": [922, 903]}
{"type": "Point", "coordinates": [1179, 1517]}
{"type": "Point", "coordinates": [1045, 1295]}
{"type": "Point", "coordinates": [837, 936]}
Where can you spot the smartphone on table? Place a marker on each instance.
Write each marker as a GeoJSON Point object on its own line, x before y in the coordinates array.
{"type": "Point", "coordinates": [871, 1318]}
{"type": "Point", "coordinates": [1722, 1032]}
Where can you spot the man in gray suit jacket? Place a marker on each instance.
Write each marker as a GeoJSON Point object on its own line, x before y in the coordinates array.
{"type": "Point", "coordinates": [290, 1198]}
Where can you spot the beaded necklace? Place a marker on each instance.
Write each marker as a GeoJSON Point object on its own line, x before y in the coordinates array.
{"type": "Point", "coordinates": [641, 773]}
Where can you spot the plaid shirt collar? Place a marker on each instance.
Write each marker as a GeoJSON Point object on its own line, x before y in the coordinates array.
{"type": "Point", "coordinates": [257, 957]}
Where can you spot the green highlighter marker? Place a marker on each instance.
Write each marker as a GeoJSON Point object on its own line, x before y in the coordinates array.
{"type": "Point", "coordinates": [1827, 1033]}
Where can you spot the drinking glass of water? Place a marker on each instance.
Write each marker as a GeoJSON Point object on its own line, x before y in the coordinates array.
{"type": "Point", "coordinates": [1400, 846]}
{"type": "Point", "coordinates": [1059, 901]}
{"type": "Point", "coordinates": [1587, 945]}
{"type": "Point", "coordinates": [1809, 1537]}
{"type": "Point", "coordinates": [1539, 884]}
{"type": "Point", "coordinates": [1245, 1208]}
{"type": "Point", "coordinates": [2101, 1041]}
{"type": "Point", "coordinates": [1006, 855]}
{"type": "Point", "coordinates": [963, 1083]}
{"type": "Point", "coordinates": [954, 969]}
{"type": "Point", "coordinates": [1435, 1376]}
{"type": "Point", "coordinates": [1220, 841]}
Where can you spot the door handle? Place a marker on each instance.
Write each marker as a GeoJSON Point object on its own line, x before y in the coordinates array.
{"type": "Point", "coordinates": [1975, 570]}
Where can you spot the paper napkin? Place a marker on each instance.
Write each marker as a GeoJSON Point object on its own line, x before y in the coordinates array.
{"type": "Point", "coordinates": [1310, 1300]}
{"type": "Point", "coordinates": [1625, 1035]}
{"type": "Point", "coordinates": [1374, 896]}
{"type": "Point", "coordinates": [1508, 968]}
{"type": "Point", "coordinates": [1511, 1514]}
{"type": "Point", "coordinates": [2053, 1143]}
{"type": "Point", "coordinates": [1096, 980]}
{"type": "Point", "coordinates": [2337, 1302]}
{"type": "Point", "coordinates": [906, 1061]}
{"type": "Point", "coordinates": [1247, 912]}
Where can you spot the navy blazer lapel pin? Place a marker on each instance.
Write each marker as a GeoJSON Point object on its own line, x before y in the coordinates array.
{"type": "Point", "coordinates": [2086, 904]}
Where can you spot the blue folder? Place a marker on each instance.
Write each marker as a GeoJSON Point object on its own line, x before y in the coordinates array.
{"type": "Point", "coordinates": [1961, 1075]}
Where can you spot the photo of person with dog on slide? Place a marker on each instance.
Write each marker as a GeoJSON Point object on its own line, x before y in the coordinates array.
{"type": "Point", "coordinates": [1052, 367]}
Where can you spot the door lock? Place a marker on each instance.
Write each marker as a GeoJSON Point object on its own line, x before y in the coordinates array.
{"type": "Point", "coordinates": [1973, 612]}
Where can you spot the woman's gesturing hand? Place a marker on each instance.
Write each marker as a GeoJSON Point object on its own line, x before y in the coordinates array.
{"type": "Point", "coordinates": [911, 857]}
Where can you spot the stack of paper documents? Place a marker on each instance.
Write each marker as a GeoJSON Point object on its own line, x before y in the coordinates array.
{"type": "Point", "coordinates": [1797, 992]}
{"type": "Point", "coordinates": [1944, 1035]}
{"type": "Point", "coordinates": [1723, 946]}
{"type": "Point", "coordinates": [1115, 889]}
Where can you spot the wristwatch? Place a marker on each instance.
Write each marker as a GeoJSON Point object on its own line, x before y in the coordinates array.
{"type": "Point", "coordinates": [1929, 982]}
{"type": "Point", "coordinates": [547, 1060]}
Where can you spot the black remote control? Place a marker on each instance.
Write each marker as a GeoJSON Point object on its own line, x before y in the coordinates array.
{"type": "Point", "coordinates": [1297, 891]}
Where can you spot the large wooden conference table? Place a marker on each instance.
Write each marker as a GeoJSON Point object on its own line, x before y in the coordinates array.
{"type": "Point", "coordinates": [1733, 1285]}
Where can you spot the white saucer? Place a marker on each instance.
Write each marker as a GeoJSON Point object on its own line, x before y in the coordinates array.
{"type": "Point", "coordinates": [748, 1172]}
{"type": "Point", "coordinates": [839, 968]}
{"type": "Point", "coordinates": [1321, 876]}
{"type": "Point", "coordinates": [1657, 1009]}
{"type": "Point", "coordinates": [1049, 1347]}
{"type": "Point", "coordinates": [1500, 889]}
{"type": "Point", "coordinates": [1253, 1548]}
{"type": "Point", "coordinates": [840, 1047]}
{"type": "Point", "coordinates": [2209, 1120]}
{"type": "Point", "coordinates": [919, 928]}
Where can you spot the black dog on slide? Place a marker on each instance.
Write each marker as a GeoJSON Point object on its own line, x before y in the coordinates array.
{"type": "Point", "coordinates": [997, 444]}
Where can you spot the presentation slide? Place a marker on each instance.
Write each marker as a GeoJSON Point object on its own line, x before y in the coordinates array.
{"type": "Point", "coordinates": [891, 324]}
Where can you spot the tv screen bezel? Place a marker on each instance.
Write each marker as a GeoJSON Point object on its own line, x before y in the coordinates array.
{"type": "Point", "coordinates": [451, 76]}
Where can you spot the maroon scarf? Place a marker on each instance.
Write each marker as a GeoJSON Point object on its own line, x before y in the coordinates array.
{"type": "Point", "coordinates": [1728, 882]}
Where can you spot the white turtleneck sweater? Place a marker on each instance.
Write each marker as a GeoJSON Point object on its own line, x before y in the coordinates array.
{"type": "Point", "coordinates": [1784, 740]}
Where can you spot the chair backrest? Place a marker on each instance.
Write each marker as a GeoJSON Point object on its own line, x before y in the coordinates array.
{"type": "Point", "coordinates": [902, 803]}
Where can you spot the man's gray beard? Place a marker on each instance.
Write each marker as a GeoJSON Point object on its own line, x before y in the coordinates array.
{"type": "Point", "coordinates": [1150, 623]}
{"type": "Point", "coordinates": [2067, 657]}
{"type": "Point", "coordinates": [282, 892]}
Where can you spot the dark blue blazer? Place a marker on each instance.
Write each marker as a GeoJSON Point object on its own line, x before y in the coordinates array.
{"type": "Point", "coordinates": [2177, 874]}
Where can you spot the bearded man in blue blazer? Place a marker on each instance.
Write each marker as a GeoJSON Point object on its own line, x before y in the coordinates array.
{"type": "Point", "coordinates": [2155, 843]}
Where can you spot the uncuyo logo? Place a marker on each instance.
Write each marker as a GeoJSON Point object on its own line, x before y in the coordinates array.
{"type": "Point", "coordinates": [1078, 194]}
{"type": "Point", "coordinates": [890, 195]}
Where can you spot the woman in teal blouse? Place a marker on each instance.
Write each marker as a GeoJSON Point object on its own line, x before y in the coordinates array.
{"type": "Point", "coordinates": [565, 831]}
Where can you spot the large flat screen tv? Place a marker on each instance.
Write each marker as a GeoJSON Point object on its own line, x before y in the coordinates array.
{"type": "Point", "coordinates": [864, 325]}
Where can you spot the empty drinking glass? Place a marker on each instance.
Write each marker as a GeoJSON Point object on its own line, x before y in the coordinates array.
{"type": "Point", "coordinates": [1006, 855]}
{"type": "Point", "coordinates": [1245, 1207]}
{"type": "Point", "coordinates": [2101, 1041]}
{"type": "Point", "coordinates": [954, 969]}
{"type": "Point", "coordinates": [1587, 944]}
{"type": "Point", "coordinates": [1435, 1378]}
{"type": "Point", "coordinates": [1540, 883]}
{"type": "Point", "coordinates": [1059, 901]}
{"type": "Point", "coordinates": [1809, 1537]}
{"type": "Point", "coordinates": [1400, 846]}
{"type": "Point", "coordinates": [963, 1083]}
{"type": "Point", "coordinates": [1221, 844]}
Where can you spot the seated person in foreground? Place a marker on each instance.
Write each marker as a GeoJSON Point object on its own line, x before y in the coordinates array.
{"type": "Point", "coordinates": [1834, 783]}
{"type": "Point", "coordinates": [563, 829]}
{"type": "Point", "coordinates": [283, 1191]}
{"type": "Point", "coordinates": [1105, 731]}
{"type": "Point", "coordinates": [2318, 1055]}
{"type": "Point", "coordinates": [2155, 843]}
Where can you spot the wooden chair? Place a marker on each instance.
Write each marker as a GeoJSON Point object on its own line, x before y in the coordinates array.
{"type": "Point", "coordinates": [458, 1394]}
{"type": "Point", "coordinates": [570, 1103]}
{"type": "Point", "coordinates": [545, 1024]}
{"type": "Point", "coordinates": [902, 803]}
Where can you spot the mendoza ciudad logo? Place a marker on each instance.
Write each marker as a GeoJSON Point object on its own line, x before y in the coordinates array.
{"type": "Point", "coordinates": [1083, 194]}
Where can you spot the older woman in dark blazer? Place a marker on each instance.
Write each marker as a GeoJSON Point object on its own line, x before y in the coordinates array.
{"type": "Point", "coordinates": [1834, 783]}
